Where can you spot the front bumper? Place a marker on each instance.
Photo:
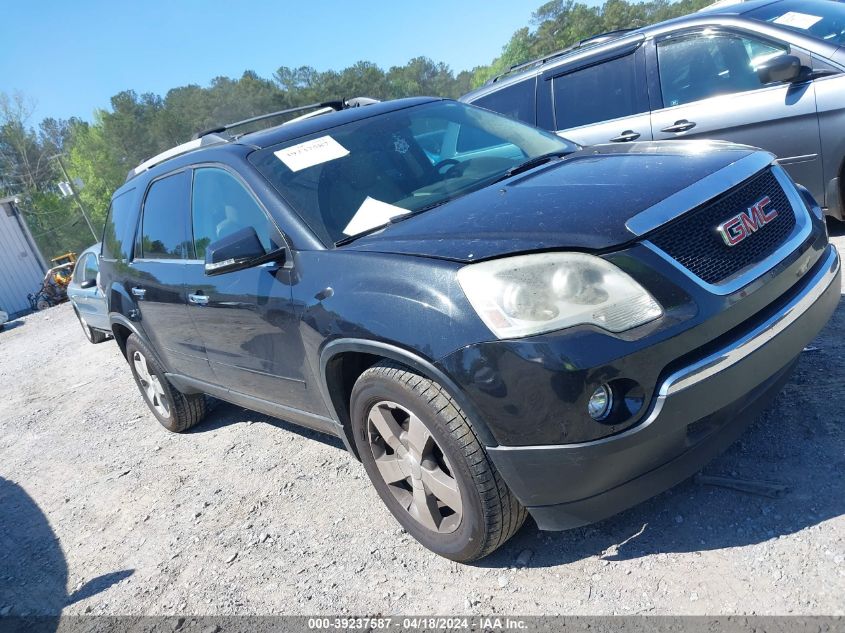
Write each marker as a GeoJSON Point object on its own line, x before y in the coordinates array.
{"type": "Point", "coordinates": [698, 411]}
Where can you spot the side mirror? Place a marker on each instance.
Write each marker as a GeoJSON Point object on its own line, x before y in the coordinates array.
{"type": "Point", "coordinates": [783, 68]}
{"type": "Point", "coordinates": [88, 283]}
{"type": "Point", "coordinates": [242, 249]}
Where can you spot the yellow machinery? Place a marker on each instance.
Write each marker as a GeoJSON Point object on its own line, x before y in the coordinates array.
{"type": "Point", "coordinates": [62, 268]}
{"type": "Point", "coordinates": [54, 287]}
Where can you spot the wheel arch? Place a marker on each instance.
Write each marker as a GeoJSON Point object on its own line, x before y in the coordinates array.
{"type": "Point", "coordinates": [122, 329]}
{"type": "Point", "coordinates": [342, 361]}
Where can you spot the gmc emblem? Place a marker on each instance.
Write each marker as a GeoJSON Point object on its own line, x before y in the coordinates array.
{"type": "Point", "coordinates": [743, 224]}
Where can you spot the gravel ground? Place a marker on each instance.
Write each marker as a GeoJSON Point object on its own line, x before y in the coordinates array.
{"type": "Point", "coordinates": [102, 511]}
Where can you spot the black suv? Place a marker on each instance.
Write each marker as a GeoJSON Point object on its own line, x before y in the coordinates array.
{"type": "Point", "coordinates": [494, 321]}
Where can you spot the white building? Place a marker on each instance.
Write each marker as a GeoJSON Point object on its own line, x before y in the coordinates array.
{"type": "Point", "coordinates": [22, 266]}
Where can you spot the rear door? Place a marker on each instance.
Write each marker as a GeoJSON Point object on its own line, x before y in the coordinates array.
{"type": "Point", "coordinates": [708, 87]}
{"type": "Point", "coordinates": [247, 320]}
{"type": "Point", "coordinates": [158, 275]}
{"type": "Point", "coordinates": [604, 102]}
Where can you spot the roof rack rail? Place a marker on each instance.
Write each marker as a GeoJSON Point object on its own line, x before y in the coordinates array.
{"type": "Point", "coordinates": [326, 106]}
{"type": "Point", "coordinates": [215, 136]}
{"type": "Point", "coordinates": [334, 105]}
{"type": "Point", "coordinates": [205, 141]}
{"type": "Point", "coordinates": [593, 39]}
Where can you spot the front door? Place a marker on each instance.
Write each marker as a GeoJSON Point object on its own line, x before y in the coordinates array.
{"type": "Point", "coordinates": [246, 318]}
{"type": "Point", "coordinates": [710, 89]}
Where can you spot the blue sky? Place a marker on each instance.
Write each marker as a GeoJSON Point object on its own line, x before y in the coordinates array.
{"type": "Point", "coordinates": [70, 58]}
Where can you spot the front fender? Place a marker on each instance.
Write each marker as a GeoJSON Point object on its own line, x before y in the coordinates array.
{"type": "Point", "coordinates": [406, 357]}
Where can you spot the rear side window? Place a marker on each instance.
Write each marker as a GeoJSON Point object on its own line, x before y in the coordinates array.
{"type": "Point", "coordinates": [118, 233]}
{"type": "Point", "coordinates": [165, 219]}
{"type": "Point", "coordinates": [606, 91]}
{"type": "Point", "coordinates": [704, 65]}
{"type": "Point", "coordinates": [517, 101]}
{"type": "Point", "coordinates": [221, 205]}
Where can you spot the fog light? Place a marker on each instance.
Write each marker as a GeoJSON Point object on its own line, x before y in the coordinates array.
{"type": "Point", "coordinates": [600, 403]}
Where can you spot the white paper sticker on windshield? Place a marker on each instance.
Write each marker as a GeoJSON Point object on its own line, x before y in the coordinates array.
{"type": "Point", "coordinates": [370, 214]}
{"type": "Point", "coordinates": [310, 153]}
{"type": "Point", "coordinates": [797, 20]}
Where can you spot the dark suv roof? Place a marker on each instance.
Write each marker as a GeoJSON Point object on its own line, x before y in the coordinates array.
{"type": "Point", "coordinates": [273, 136]}
{"type": "Point", "coordinates": [282, 133]}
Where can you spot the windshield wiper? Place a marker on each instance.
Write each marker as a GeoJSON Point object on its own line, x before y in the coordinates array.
{"type": "Point", "coordinates": [352, 238]}
{"type": "Point", "coordinates": [531, 163]}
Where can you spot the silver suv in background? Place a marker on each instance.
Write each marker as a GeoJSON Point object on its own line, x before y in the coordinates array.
{"type": "Point", "coordinates": [770, 74]}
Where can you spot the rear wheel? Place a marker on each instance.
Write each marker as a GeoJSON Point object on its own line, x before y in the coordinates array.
{"type": "Point", "coordinates": [427, 465]}
{"type": "Point", "coordinates": [175, 410]}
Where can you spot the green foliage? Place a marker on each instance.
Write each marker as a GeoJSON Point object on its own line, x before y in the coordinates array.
{"type": "Point", "coordinates": [136, 127]}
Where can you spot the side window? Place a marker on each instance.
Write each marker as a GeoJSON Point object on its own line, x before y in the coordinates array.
{"type": "Point", "coordinates": [120, 223]}
{"type": "Point", "coordinates": [79, 271]}
{"type": "Point", "coordinates": [517, 101]}
{"type": "Point", "coordinates": [91, 267]}
{"type": "Point", "coordinates": [221, 205]}
{"type": "Point", "coordinates": [704, 65]}
{"type": "Point", "coordinates": [164, 223]}
{"type": "Point", "coordinates": [606, 91]}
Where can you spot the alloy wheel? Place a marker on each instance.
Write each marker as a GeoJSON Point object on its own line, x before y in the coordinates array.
{"type": "Point", "coordinates": [412, 464]}
{"type": "Point", "coordinates": [151, 385]}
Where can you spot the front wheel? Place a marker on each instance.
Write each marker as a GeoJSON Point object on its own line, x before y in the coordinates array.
{"type": "Point", "coordinates": [427, 465]}
{"type": "Point", "coordinates": [176, 411]}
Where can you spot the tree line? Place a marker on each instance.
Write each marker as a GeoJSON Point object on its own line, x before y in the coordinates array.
{"type": "Point", "coordinates": [135, 126]}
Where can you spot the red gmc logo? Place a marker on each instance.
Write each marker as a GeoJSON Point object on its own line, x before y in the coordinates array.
{"type": "Point", "coordinates": [740, 226]}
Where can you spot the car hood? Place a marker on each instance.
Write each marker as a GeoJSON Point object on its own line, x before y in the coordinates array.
{"type": "Point", "coordinates": [581, 202]}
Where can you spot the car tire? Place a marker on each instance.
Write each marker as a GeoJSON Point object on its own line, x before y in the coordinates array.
{"type": "Point", "coordinates": [93, 336]}
{"type": "Point", "coordinates": [176, 411]}
{"type": "Point", "coordinates": [438, 459]}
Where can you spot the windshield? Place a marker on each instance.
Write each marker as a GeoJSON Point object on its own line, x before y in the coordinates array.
{"type": "Point", "coordinates": [350, 179]}
{"type": "Point", "coordinates": [821, 19]}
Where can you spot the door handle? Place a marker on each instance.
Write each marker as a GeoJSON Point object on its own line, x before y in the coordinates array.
{"type": "Point", "coordinates": [139, 292]}
{"type": "Point", "coordinates": [626, 136]}
{"type": "Point", "coordinates": [198, 300]}
{"type": "Point", "coordinates": [679, 126]}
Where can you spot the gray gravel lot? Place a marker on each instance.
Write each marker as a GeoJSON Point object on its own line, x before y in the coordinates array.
{"type": "Point", "coordinates": [103, 511]}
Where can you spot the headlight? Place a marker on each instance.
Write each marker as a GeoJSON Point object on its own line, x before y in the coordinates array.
{"type": "Point", "coordinates": [531, 294]}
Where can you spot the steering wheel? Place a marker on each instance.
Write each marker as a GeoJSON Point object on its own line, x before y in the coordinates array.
{"type": "Point", "coordinates": [446, 162]}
